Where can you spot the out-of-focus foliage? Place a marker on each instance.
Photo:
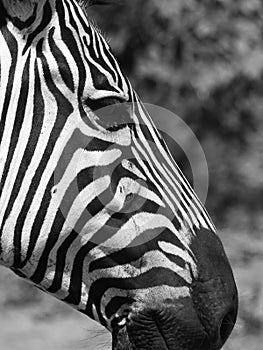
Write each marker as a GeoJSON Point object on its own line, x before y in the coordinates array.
{"type": "Point", "coordinates": [203, 60]}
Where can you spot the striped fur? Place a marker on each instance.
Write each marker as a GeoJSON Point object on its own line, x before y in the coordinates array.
{"type": "Point", "coordinates": [79, 194]}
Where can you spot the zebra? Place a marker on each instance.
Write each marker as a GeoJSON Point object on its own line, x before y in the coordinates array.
{"type": "Point", "coordinates": [80, 192]}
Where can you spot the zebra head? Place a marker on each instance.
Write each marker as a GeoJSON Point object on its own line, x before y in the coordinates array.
{"type": "Point", "coordinates": [93, 207]}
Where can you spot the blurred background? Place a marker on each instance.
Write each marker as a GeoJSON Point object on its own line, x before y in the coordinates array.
{"type": "Point", "coordinates": [202, 60]}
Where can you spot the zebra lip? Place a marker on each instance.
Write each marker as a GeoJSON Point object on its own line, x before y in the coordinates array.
{"type": "Point", "coordinates": [162, 330]}
{"type": "Point", "coordinates": [179, 327]}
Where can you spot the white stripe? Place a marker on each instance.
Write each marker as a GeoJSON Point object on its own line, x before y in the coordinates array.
{"type": "Point", "coordinates": [128, 165]}
{"type": "Point", "coordinates": [79, 205]}
{"type": "Point", "coordinates": [160, 189]}
{"type": "Point", "coordinates": [135, 227]}
{"type": "Point", "coordinates": [170, 248]}
{"type": "Point", "coordinates": [145, 297]}
{"type": "Point", "coordinates": [9, 126]}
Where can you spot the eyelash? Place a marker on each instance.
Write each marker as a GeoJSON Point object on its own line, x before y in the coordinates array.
{"type": "Point", "coordinates": [101, 103]}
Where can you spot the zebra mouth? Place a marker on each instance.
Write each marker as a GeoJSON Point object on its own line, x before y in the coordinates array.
{"type": "Point", "coordinates": [172, 328]}
{"type": "Point", "coordinates": [155, 331]}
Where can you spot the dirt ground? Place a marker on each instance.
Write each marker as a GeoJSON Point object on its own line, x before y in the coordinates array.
{"type": "Point", "coordinates": [30, 319]}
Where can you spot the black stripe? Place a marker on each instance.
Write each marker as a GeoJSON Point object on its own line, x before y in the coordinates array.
{"type": "Point", "coordinates": [46, 19]}
{"type": "Point", "coordinates": [38, 116]}
{"type": "Point", "coordinates": [95, 40]}
{"type": "Point", "coordinates": [64, 110]}
{"type": "Point", "coordinates": [152, 278]}
{"type": "Point", "coordinates": [59, 220]}
{"type": "Point", "coordinates": [60, 262]}
{"type": "Point", "coordinates": [19, 118]}
{"type": "Point", "coordinates": [74, 296]}
{"type": "Point", "coordinates": [25, 24]}
{"type": "Point", "coordinates": [61, 60]}
{"type": "Point", "coordinates": [13, 49]}
{"type": "Point", "coordinates": [52, 239]}
{"type": "Point", "coordinates": [115, 304]}
{"type": "Point", "coordinates": [133, 253]}
{"type": "Point", "coordinates": [3, 15]}
{"type": "Point", "coordinates": [78, 15]}
{"type": "Point", "coordinates": [70, 42]}
{"type": "Point", "coordinates": [78, 140]}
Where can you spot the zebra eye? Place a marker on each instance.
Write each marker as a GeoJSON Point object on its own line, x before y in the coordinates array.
{"type": "Point", "coordinates": [96, 105]}
{"type": "Point", "coordinates": [111, 112]}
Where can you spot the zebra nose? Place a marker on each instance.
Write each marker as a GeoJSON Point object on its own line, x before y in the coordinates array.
{"type": "Point", "coordinates": [225, 326]}
{"type": "Point", "coordinates": [178, 327]}
{"type": "Point", "coordinates": [214, 292]}
{"type": "Point", "coordinates": [216, 304]}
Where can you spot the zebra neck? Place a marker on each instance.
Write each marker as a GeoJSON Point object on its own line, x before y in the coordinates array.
{"type": "Point", "coordinates": [23, 13]}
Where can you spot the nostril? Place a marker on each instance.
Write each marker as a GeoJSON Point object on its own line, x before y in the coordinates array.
{"type": "Point", "coordinates": [227, 324]}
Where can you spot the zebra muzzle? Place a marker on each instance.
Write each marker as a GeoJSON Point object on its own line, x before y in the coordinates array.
{"type": "Point", "coordinates": [201, 321]}
{"type": "Point", "coordinates": [174, 328]}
